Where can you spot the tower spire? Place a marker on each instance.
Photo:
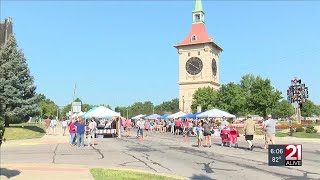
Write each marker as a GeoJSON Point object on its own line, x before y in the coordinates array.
{"type": "Point", "coordinates": [197, 13]}
{"type": "Point", "coordinates": [198, 6]}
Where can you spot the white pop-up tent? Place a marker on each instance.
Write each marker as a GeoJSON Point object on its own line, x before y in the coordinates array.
{"type": "Point", "coordinates": [138, 116]}
{"type": "Point", "coordinates": [80, 114]}
{"type": "Point", "coordinates": [176, 115]}
{"type": "Point", "coordinates": [215, 113]}
{"type": "Point", "coordinates": [101, 112]}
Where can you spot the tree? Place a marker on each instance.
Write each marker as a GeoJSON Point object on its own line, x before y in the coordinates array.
{"type": "Point", "coordinates": [231, 98]}
{"type": "Point", "coordinates": [263, 97]}
{"type": "Point", "coordinates": [246, 83]}
{"type": "Point", "coordinates": [167, 107]}
{"type": "Point", "coordinates": [17, 90]}
{"type": "Point", "coordinates": [204, 96]}
{"type": "Point", "coordinates": [283, 109]}
{"type": "Point", "coordinates": [309, 109]}
{"type": "Point", "coordinates": [48, 107]}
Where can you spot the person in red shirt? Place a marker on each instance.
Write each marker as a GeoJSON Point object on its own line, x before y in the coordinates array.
{"type": "Point", "coordinates": [47, 121]}
{"type": "Point", "coordinates": [72, 132]}
{"type": "Point", "coordinates": [177, 126]}
{"type": "Point", "coordinates": [128, 126]}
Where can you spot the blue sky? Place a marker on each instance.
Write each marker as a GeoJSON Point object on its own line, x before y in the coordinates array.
{"type": "Point", "coordinates": [122, 52]}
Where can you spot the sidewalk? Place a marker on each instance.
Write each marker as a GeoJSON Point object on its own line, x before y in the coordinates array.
{"type": "Point", "coordinates": [48, 172]}
{"type": "Point", "coordinates": [46, 139]}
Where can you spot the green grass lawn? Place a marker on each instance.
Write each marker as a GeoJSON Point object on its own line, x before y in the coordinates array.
{"type": "Point", "coordinates": [101, 174]}
{"type": "Point", "coordinates": [24, 131]}
{"type": "Point", "coordinates": [299, 135]}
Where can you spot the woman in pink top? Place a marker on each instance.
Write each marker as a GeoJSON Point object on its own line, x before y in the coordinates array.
{"type": "Point", "coordinates": [147, 126]}
{"type": "Point", "coordinates": [177, 126]}
{"type": "Point", "coordinates": [128, 126]}
{"type": "Point", "coordinates": [72, 132]}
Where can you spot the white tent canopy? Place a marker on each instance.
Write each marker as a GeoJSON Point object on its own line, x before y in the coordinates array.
{"type": "Point", "coordinates": [80, 114]}
{"type": "Point", "coordinates": [176, 115]}
{"type": "Point", "coordinates": [215, 113]}
{"type": "Point", "coordinates": [76, 114]}
{"type": "Point", "coordinates": [101, 112]}
{"type": "Point", "coordinates": [138, 116]}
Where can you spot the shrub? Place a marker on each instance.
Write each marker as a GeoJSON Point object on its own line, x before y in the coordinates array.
{"type": "Point", "coordinates": [309, 130]}
{"type": "Point", "coordinates": [299, 129]}
{"type": "Point", "coordinates": [310, 127]}
{"type": "Point", "coordinates": [297, 126]}
{"type": "Point", "coordinates": [282, 126]}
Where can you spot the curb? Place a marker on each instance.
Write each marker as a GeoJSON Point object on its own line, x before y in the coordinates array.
{"type": "Point", "coordinates": [70, 167]}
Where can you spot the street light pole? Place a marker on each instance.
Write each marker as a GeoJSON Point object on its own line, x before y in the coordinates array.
{"type": "Point", "coordinates": [182, 103]}
{"type": "Point", "coordinates": [74, 93]}
{"type": "Point", "coordinates": [127, 113]}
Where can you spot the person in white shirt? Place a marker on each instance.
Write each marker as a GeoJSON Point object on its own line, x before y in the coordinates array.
{"type": "Point", "coordinates": [53, 125]}
{"type": "Point", "coordinates": [64, 124]}
{"type": "Point", "coordinates": [92, 131]}
{"type": "Point", "coordinates": [140, 126]}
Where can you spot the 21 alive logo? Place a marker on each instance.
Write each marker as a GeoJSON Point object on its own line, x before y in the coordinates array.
{"type": "Point", "coordinates": [293, 155]}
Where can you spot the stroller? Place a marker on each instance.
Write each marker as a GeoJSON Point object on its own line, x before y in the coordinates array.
{"type": "Point", "coordinates": [229, 137]}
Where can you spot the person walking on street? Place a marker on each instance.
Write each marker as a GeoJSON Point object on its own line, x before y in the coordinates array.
{"type": "Point", "coordinates": [64, 126]}
{"type": "Point", "coordinates": [199, 130]}
{"type": "Point", "coordinates": [172, 126]}
{"type": "Point", "coordinates": [53, 125]}
{"type": "Point", "coordinates": [128, 125]}
{"type": "Point", "coordinates": [80, 127]}
{"type": "Point", "coordinates": [249, 130]}
{"type": "Point", "coordinates": [140, 125]}
{"type": "Point", "coordinates": [207, 128]}
{"type": "Point", "coordinates": [269, 128]}
{"type": "Point", "coordinates": [48, 122]}
{"type": "Point", "coordinates": [92, 131]}
{"type": "Point", "coordinates": [72, 132]}
{"type": "Point", "coordinates": [224, 123]}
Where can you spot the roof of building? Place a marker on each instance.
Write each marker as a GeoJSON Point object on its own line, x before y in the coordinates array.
{"type": "Point", "coordinates": [201, 36]}
{"type": "Point", "coordinates": [198, 31]}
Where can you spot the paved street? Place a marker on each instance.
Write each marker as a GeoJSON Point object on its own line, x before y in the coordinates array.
{"type": "Point", "coordinates": [162, 153]}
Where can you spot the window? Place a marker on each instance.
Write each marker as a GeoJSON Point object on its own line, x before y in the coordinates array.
{"type": "Point", "coordinates": [199, 53]}
{"type": "Point", "coordinates": [197, 18]}
{"type": "Point", "coordinates": [193, 38]}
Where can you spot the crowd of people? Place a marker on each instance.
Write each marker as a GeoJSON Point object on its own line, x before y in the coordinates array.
{"type": "Point", "coordinates": [203, 129]}
{"type": "Point", "coordinates": [78, 128]}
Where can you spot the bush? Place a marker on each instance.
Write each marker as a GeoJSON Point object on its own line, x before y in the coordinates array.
{"type": "Point", "coordinates": [309, 130]}
{"type": "Point", "coordinates": [299, 129]}
{"type": "Point", "coordinates": [282, 126]}
{"type": "Point", "coordinates": [310, 127]}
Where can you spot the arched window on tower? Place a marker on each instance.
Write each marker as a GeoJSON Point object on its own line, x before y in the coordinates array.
{"type": "Point", "coordinates": [197, 17]}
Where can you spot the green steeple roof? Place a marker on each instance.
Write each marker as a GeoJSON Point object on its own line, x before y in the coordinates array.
{"type": "Point", "coordinates": [198, 6]}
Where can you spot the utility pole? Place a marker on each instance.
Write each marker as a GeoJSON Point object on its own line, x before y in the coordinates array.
{"type": "Point", "coordinates": [182, 103]}
{"type": "Point", "coordinates": [74, 94]}
{"type": "Point", "coordinates": [127, 113]}
{"type": "Point", "coordinates": [297, 93]}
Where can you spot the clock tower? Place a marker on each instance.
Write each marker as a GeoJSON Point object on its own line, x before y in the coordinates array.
{"type": "Point", "coordinates": [198, 60]}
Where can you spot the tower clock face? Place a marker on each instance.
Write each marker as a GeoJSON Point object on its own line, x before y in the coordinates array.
{"type": "Point", "coordinates": [194, 66]}
{"type": "Point", "coordinates": [214, 67]}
